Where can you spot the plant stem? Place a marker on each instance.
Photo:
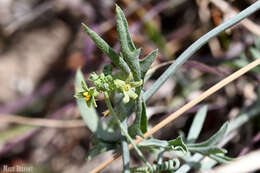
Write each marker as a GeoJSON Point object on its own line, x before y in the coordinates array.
{"type": "Point", "coordinates": [124, 130]}
{"type": "Point", "coordinates": [125, 149]}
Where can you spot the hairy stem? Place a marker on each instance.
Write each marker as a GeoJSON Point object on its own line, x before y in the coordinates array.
{"type": "Point", "coordinates": [125, 149]}
{"type": "Point", "coordinates": [124, 130]}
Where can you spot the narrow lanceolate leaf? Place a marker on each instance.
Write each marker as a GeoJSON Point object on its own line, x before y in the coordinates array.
{"type": "Point", "coordinates": [220, 158]}
{"type": "Point", "coordinates": [213, 139]}
{"type": "Point", "coordinates": [144, 122]}
{"type": "Point", "coordinates": [106, 49]}
{"type": "Point", "coordinates": [154, 143]}
{"type": "Point", "coordinates": [89, 114]}
{"type": "Point", "coordinates": [197, 124]}
{"type": "Point", "coordinates": [146, 63]}
{"type": "Point", "coordinates": [208, 150]}
{"type": "Point", "coordinates": [130, 53]}
{"type": "Point", "coordinates": [123, 31]}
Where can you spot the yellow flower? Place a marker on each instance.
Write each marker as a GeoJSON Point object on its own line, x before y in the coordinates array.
{"type": "Point", "coordinates": [87, 94]}
{"type": "Point", "coordinates": [127, 88]}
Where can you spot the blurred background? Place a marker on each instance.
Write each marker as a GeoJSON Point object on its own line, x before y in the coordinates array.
{"type": "Point", "coordinates": [42, 44]}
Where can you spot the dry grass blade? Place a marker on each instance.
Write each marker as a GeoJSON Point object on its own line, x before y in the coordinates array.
{"type": "Point", "coordinates": [186, 107]}
{"type": "Point", "coordinates": [41, 122]}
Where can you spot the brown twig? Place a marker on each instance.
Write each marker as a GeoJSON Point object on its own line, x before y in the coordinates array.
{"type": "Point", "coordinates": [184, 108]}
{"type": "Point", "coordinates": [42, 122]}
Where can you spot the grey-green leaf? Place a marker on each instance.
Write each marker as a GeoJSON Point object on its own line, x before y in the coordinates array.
{"type": "Point", "coordinates": [154, 143]}
{"type": "Point", "coordinates": [132, 59]}
{"type": "Point", "coordinates": [144, 122]}
{"type": "Point", "coordinates": [129, 52]}
{"type": "Point", "coordinates": [123, 31]}
{"type": "Point", "coordinates": [208, 150]}
{"type": "Point", "coordinates": [213, 139]}
{"type": "Point", "coordinates": [89, 114]}
{"type": "Point", "coordinates": [146, 63]}
{"type": "Point", "coordinates": [197, 125]}
{"type": "Point", "coordinates": [220, 158]}
{"type": "Point", "coordinates": [106, 49]}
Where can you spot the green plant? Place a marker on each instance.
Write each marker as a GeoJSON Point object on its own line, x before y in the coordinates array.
{"type": "Point", "coordinates": [124, 90]}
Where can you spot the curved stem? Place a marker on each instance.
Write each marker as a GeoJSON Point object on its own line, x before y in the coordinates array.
{"type": "Point", "coordinates": [198, 44]}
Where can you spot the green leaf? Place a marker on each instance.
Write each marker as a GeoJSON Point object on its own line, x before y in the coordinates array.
{"type": "Point", "coordinates": [207, 150]}
{"type": "Point", "coordinates": [130, 53]}
{"type": "Point", "coordinates": [220, 158]}
{"type": "Point", "coordinates": [89, 114]}
{"type": "Point", "coordinates": [144, 122]}
{"type": "Point", "coordinates": [197, 125]}
{"type": "Point", "coordinates": [132, 59]}
{"type": "Point", "coordinates": [106, 49]}
{"type": "Point", "coordinates": [178, 144]}
{"type": "Point", "coordinates": [254, 52]}
{"type": "Point", "coordinates": [154, 143]}
{"type": "Point", "coordinates": [146, 63]}
{"type": "Point", "coordinates": [213, 139]}
{"type": "Point", "coordinates": [123, 31]}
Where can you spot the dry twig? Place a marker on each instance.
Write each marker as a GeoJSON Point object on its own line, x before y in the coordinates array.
{"type": "Point", "coordinates": [42, 122]}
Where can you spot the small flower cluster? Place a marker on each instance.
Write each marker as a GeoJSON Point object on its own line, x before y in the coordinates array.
{"type": "Point", "coordinates": [106, 83]}
{"type": "Point", "coordinates": [89, 94]}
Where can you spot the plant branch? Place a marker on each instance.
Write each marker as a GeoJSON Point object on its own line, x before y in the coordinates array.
{"type": "Point", "coordinates": [125, 149]}
{"type": "Point", "coordinates": [124, 130]}
{"type": "Point", "coordinates": [187, 106]}
{"type": "Point", "coordinates": [41, 122]}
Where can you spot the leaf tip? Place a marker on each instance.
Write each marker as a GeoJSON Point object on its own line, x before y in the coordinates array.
{"type": "Point", "coordinates": [117, 8]}
{"type": "Point", "coordinates": [85, 27]}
